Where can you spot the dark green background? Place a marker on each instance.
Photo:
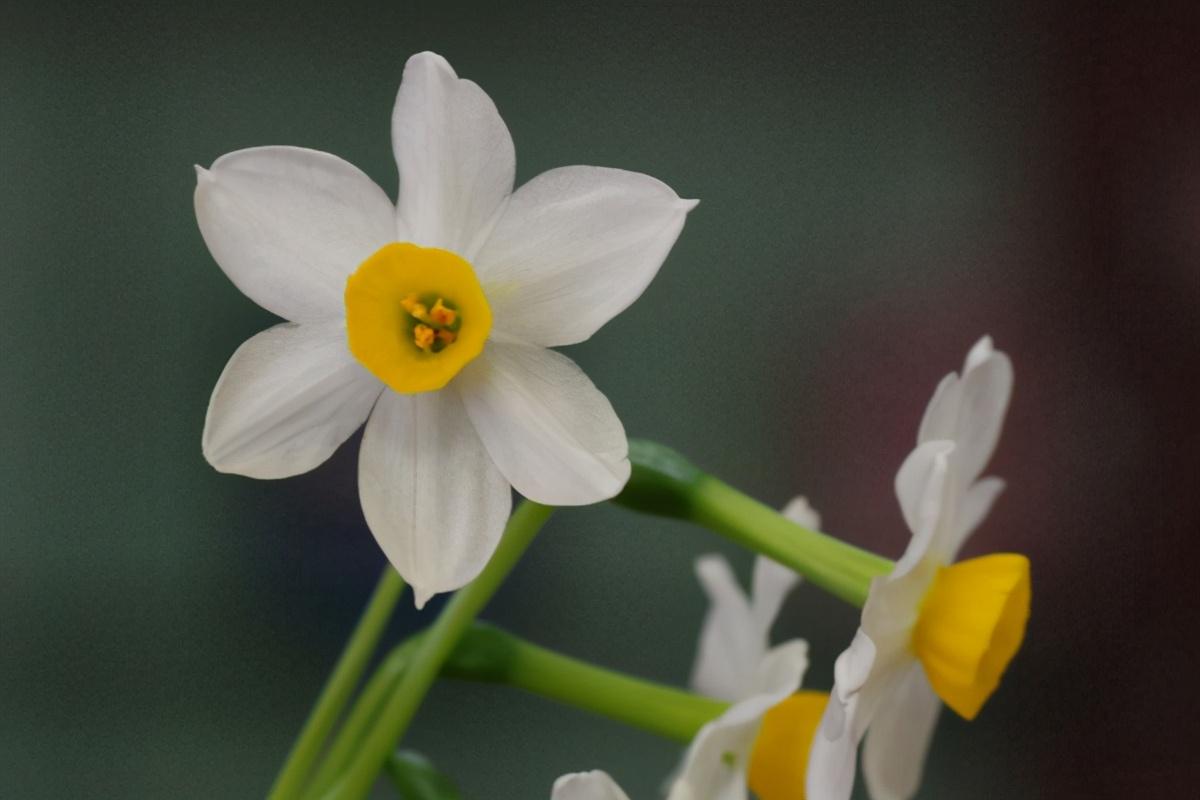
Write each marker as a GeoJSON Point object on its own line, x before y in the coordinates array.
{"type": "Point", "coordinates": [879, 187]}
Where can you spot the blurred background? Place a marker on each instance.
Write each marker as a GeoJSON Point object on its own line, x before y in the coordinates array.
{"type": "Point", "coordinates": [881, 187]}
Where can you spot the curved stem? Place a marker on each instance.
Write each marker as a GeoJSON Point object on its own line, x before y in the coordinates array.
{"type": "Point", "coordinates": [338, 687]}
{"type": "Point", "coordinates": [434, 649]}
{"type": "Point", "coordinates": [837, 567]}
{"type": "Point", "coordinates": [489, 654]}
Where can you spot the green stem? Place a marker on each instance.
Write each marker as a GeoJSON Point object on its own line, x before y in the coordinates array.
{"type": "Point", "coordinates": [665, 483]}
{"type": "Point", "coordinates": [362, 716]}
{"type": "Point", "coordinates": [339, 686]}
{"type": "Point", "coordinates": [839, 568]}
{"type": "Point", "coordinates": [435, 647]}
{"type": "Point", "coordinates": [489, 654]}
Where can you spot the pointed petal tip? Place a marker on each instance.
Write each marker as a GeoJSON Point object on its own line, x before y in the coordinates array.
{"type": "Point", "coordinates": [202, 174]}
{"type": "Point", "coordinates": [980, 352]}
{"type": "Point", "coordinates": [688, 205]}
{"type": "Point", "coordinates": [421, 596]}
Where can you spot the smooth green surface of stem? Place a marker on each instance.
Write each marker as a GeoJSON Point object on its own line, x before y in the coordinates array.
{"type": "Point", "coordinates": [665, 483]}
{"type": "Point", "coordinates": [362, 715]}
{"type": "Point", "coordinates": [839, 568]}
{"type": "Point", "coordinates": [435, 647]}
{"type": "Point", "coordinates": [492, 655]}
{"type": "Point", "coordinates": [339, 686]}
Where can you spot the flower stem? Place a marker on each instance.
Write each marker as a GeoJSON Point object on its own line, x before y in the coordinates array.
{"type": "Point", "coordinates": [665, 483]}
{"type": "Point", "coordinates": [492, 655]}
{"type": "Point", "coordinates": [433, 650]}
{"type": "Point", "coordinates": [839, 568]}
{"type": "Point", "coordinates": [362, 716]}
{"type": "Point", "coordinates": [338, 687]}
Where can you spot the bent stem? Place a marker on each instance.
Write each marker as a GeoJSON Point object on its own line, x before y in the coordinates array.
{"type": "Point", "coordinates": [495, 656]}
{"type": "Point", "coordinates": [338, 687]}
{"type": "Point", "coordinates": [435, 647]}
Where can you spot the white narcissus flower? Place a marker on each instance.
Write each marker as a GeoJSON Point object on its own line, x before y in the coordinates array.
{"type": "Point", "coordinates": [931, 628]}
{"type": "Point", "coordinates": [430, 321]}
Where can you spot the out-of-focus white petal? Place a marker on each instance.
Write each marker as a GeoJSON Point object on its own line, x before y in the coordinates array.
{"type": "Point", "coordinates": [769, 587]}
{"type": "Point", "coordinates": [433, 499]}
{"type": "Point", "coordinates": [551, 432]}
{"type": "Point", "coordinates": [454, 153]}
{"type": "Point", "coordinates": [782, 668]}
{"type": "Point", "coordinates": [287, 398]}
{"type": "Point", "coordinates": [973, 508]}
{"type": "Point", "coordinates": [980, 352]}
{"type": "Point", "coordinates": [289, 225]}
{"type": "Point", "coordinates": [831, 761]}
{"type": "Point", "coordinates": [920, 488]}
{"type": "Point", "coordinates": [731, 646]}
{"type": "Point", "coordinates": [969, 410]}
{"type": "Point", "coordinates": [899, 737]}
{"type": "Point", "coordinates": [716, 762]}
{"type": "Point", "coordinates": [853, 666]}
{"type": "Point", "coordinates": [594, 785]}
{"type": "Point", "coordinates": [834, 753]}
{"type": "Point", "coordinates": [573, 248]}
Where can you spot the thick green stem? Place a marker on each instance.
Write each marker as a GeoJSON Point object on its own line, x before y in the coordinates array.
{"type": "Point", "coordinates": [434, 649]}
{"type": "Point", "coordinates": [839, 568]}
{"type": "Point", "coordinates": [665, 483]}
{"type": "Point", "coordinates": [362, 716]}
{"type": "Point", "coordinates": [339, 686]}
{"type": "Point", "coordinates": [489, 654]}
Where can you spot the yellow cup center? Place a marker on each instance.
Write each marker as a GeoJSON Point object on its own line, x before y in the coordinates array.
{"type": "Point", "coordinates": [780, 754]}
{"type": "Point", "coordinates": [972, 623]}
{"type": "Point", "coordinates": [415, 316]}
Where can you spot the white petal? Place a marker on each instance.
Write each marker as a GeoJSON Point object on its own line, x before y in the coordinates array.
{"type": "Point", "coordinates": [434, 500]}
{"type": "Point", "coordinates": [921, 490]}
{"type": "Point", "coordinates": [548, 428]}
{"type": "Point", "coordinates": [782, 669]}
{"type": "Point", "coordinates": [970, 410]}
{"type": "Point", "coordinates": [714, 767]}
{"type": "Point", "coordinates": [287, 398]}
{"type": "Point", "coordinates": [940, 420]}
{"type": "Point", "coordinates": [289, 225]}
{"type": "Point", "coordinates": [594, 785]}
{"type": "Point", "coordinates": [834, 751]}
{"type": "Point", "coordinates": [455, 156]}
{"type": "Point", "coordinates": [731, 646]}
{"type": "Point", "coordinates": [898, 740]}
{"type": "Point", "coordinates": [770, 585]}
{"type": "Point", "coordinates": [573, 248]}
{"type": "Point", "coordinates": [854, 665]}
{"type": "Point", "coordinates": [847, 716]}
{"type": "Point", "coordinates": [980, 352]}
{"type": "Point", "coordinates": [716, 762]}
{"type": "Point", "coordinates": [972, 510]}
